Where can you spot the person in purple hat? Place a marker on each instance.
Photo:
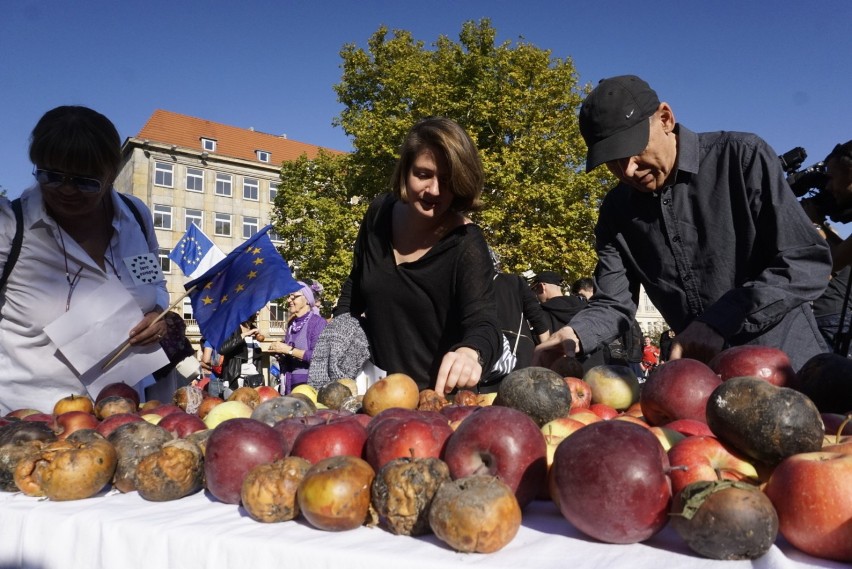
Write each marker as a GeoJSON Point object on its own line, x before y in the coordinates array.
{"type": "Point", "coordinates": [706, 223]}
{"type": "Point", "coordinates": [304, 326]}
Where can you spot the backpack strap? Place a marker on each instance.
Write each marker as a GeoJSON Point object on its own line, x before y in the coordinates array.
{"type": "Point", "coordinates": [16, 242]}
{"type": "Point", "coordinates": [136, 213]}
{"type": "Point", "coordinates": [17, 209]}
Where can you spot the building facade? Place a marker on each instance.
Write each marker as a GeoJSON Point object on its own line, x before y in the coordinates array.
{"type": "Point", "coordinates": [222, 178]}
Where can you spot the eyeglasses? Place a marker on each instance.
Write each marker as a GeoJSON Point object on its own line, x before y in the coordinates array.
{"type": "Point", "coordinates": [295, 297]}
{"type": "Point", "coordinates": [51, 180]}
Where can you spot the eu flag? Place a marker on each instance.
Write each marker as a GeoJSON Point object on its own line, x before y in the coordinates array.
{"type": "Point", "coordinates": [195, 253]}
{"type": "Point", "coordinates": [238, 286]}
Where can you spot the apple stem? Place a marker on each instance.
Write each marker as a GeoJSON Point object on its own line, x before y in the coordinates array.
{"type": "Point", "coordinates": [678, 467]}
{"type": "Point", "coordinates": [843, 426]}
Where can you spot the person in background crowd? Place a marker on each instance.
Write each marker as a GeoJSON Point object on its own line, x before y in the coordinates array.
{"type": "Point", "coordinates": [242, 354]}
{"type": "Point", "coordinates": [211, 366]}
{"type": "Point", "coordinates": [584, 287]}
{"type": "Point", "coordinates": [521, 317]}
{"type": "Point", "coordinates": [304, 326]}
{"type": "Point", "coordinates": [828, 307]}
{"type": "Point", "coordinates": [181, 356]}
{"type": "Point", "coordinates": [650, 356]}
{"type": "Point", "coordinates": [706, 223]}
{"type": "Point", "coordinates": [77, 232]}
{"type": "Point", "coordinates": [421, 273]}
{"type": "Point", "coordinates": [666, 339]}
{"type": "Point", "coordinates": [561, 308]}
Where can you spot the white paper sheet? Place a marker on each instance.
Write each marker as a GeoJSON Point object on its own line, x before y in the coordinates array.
{"type": "Point", "coordinates": [91, 331]}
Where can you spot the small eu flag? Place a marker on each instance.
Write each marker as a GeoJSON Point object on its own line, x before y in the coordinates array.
{"type": "Point", "coordinates": [238, 286]}
{"type": "Point", "coordinates": [195, 253]}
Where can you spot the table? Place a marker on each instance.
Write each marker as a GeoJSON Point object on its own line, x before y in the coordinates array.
{"type": "Point", "coordinates": [123, 531]}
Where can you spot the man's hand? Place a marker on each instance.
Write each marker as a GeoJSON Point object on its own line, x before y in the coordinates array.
{"type": "Point", "coordinates": [459, 369]}
{"type": "Point", "coordinates": [698, 341]}
{"type": "Point", "coordinates": [563, 342]}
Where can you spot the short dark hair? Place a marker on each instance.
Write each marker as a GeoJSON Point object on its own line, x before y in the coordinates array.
{"type": "Point", "coordinates": [76, 140]}
{"type": "Point", "coordinates": [465, 174]}
{"type": "Point", "coordinates": [583, 284]}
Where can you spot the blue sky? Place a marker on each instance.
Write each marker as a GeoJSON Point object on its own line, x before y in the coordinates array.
{"type": "Point", "coordinates": [780, 69]}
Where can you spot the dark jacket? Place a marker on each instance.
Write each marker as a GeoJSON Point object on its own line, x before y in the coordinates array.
{"type": "Point", "coordinates": [236, 353]}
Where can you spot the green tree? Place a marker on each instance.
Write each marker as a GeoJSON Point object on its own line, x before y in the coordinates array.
{"type": "Point", "coordinates": [518, 103]}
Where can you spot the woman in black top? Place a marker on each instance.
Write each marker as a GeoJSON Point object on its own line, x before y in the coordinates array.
{"type": "Point", "coordinates": [421, 273]}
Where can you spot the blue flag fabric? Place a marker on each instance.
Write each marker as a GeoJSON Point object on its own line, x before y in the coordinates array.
{"type": "Point", "coordinates": [238, 286]}
{"type": "Point", "coordinates": [195, 253]}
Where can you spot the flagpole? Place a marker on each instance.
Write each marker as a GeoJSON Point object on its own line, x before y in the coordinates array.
{"type": "Point", "coordinates": [123, 348]}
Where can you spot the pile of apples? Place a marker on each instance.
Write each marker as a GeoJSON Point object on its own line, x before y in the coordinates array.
{"type": "Point", "coordinates": [623, 461]}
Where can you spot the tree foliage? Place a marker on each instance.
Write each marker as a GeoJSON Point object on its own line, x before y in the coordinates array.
{"type": "Point", "coordinates": [518, 103]}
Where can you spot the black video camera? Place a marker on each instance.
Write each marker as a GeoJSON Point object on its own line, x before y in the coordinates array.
{"type": "Point", "coordinates": [811, 182]}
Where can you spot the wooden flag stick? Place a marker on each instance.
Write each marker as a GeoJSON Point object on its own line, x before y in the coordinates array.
{"type": "Point", "coordinates": [123, 348]}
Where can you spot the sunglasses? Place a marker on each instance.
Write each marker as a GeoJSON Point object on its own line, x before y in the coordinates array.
{"type": "Point", "coordinates": [52, 180]}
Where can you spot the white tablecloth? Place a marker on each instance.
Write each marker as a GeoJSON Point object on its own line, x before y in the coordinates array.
{"type": "Point", "coordinates": [123, 531]}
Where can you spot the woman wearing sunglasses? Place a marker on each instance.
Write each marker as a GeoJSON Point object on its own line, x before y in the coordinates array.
{"type": "Point", "coordinates": [77, 233]}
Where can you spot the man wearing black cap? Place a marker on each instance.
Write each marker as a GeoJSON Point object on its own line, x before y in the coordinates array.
{"type": "Point", "coordinates": [706, 223]}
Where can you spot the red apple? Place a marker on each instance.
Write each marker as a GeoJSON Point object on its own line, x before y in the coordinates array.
{"type": "Point", "coordinates": [555, 431]}
{"type": "Point", "coordinates": [603, 410]}
{"type": "Point", "coordinates": [182, 424]}
{"type": "Point", "coordinates": [811, 493]}
{"type": "Point", "coordinates": [120, 389]}
{"type": "Point", "coordinates": [113, 422]}
{"type": "Point", "coordinates": [458, 413]}
{"type": "Point", "coordinates": [290, 429]}
{"type": "Point", "coordinates": [502, 442]}
{"type": "Point", "coordinates": [334, 494]}
{"type": "Point", "coordinates": [581, 392]}
{"type": "Point", "coordinates": [678, 390]}
{"type": "Point", "coordinates": [43, 417]}
{"type": "Point", "coordinates": [21, 413]}
{"type": "Point", "coordinates": [609, 480]}
{"type": "Point", "coordinates": [764, 362]}
{"type": "Point", "coordinates": [690, 427]}
{"type": "Point", "coordinates": [342, 436]}
{"type": "Point", "coordinates": [701, 458]}
{"type": "Point", "coordinates": [233, 449]}
{"type": "Point", "coordinates": [71, 421]}
{"type": "Point", "coordinates": [632, 419]}
{"type": "Point", "coordinates": [165, 409]}
{"type": "Point", "coordinates": [266, 393]}
{"type": "Point", "coordinates": [74, 402]}
{"type": "Point", "coordinates": [406, 437]}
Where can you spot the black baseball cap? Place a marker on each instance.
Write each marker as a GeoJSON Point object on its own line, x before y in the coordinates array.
{"type": "Point", "coordinates": [614, 119]}
{"type": "Point", "coordinates": [548, 277]}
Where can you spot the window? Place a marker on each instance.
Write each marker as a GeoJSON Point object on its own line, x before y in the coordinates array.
{"type": "Point", "coordinates": [262, 155]}
{"type": "Point", "coordinates": [163, 174]}
{"type": "Point", "coordinates": [251, 189]}
{"type": "Point", "coordinates": [162, 216]}
{"type": "Point", "coordinates": [165, 262]}
{"type": "Point", "coordinates": [223, 184]}
{"type": "Point", "coordinates": [194, 180]}
{"type": "Point", "coordinates": [222, 224]}
{"type": "Point", "coordinates": [273, 190]}
{"type": "Point", "coordinates": [208, 144]}
{"type": "Point", "coordinates": [250, 226]}
{"type": "Point", "coordinates": [193, 216]}
{"type": "Point", "coordinates": [273, 235]}
{"type": "Point", "coordinates": [187, 309]}
{"type": "Point", "coordinates": [277, 311]}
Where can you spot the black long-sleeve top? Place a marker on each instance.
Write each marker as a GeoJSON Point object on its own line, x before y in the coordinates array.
{"type": "Point", "coordinates": [416, 312]}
